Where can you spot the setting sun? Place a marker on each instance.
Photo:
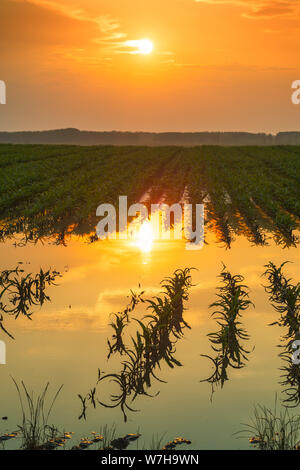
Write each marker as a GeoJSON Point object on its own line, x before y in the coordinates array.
{"type": "Point", "coordinates": [142, 46]}
{"type": "Point", "coordinates": [145, 236]}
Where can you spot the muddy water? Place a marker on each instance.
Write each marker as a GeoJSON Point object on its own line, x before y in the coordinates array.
{"type": "Point", "coordinates": [66, 341]}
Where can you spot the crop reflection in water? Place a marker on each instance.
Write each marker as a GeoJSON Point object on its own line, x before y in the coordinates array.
{"type": "Point", "coordinates": [233, 298]}
{"type": "Point", "coordinates": [19, 293]}
{"type": "Point", "coordinates": [155, 342]}
{"type": "Point", "coordinates": [285, 299]}
{"type": "Point", "coordinates": [249, 190]}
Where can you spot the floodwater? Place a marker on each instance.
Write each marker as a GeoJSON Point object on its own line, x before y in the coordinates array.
{"type": "Point", "coordinates": [66, 341]}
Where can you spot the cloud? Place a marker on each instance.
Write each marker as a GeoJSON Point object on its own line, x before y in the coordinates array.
{"type": "Point", "coordinates": [236, 68]}
{"type": "Point", "coordinates": [110, 27]}
{"type": "Point", "coordinates": [108, 37]}
{"type": "Point", "coordinates": [109, 34]}
{"type": "Point", "coordinates": [94, 318]}
{"type": "Point", "coordinates": [75, 13]}
{"type": "Point", "coordinates": [260, 8]}
{"type": "Point", "coordinates": [106, 30]}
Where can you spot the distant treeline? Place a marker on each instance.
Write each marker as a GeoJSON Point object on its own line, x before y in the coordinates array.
{"type": "Point", "coordinates": [77, 137]}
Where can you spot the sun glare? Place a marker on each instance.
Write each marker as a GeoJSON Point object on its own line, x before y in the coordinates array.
{"type": "Point", "coordinates": [145, 237]}
{"type": "Point", "coordinates": [142, 46]}
{"type": "Point", "coordinates": [145, 46]}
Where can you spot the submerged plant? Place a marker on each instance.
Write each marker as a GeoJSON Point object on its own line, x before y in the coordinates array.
{"type": "Point", "coordinates": [35, 430]}
{"type": "Point", "coordinates": [285, 299]}
{"type": "Point", "coordinates": [272, 429]}
{"type": "Point", "coordinates": [233, 299]}
{"type": "Point", "coordinates": [121, 321]}
{"type": "Point", "coordinates": [20, 292]}
{"type": "Point", "coordinates": [152, 344]}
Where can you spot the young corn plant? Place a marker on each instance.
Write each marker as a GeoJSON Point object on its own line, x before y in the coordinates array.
{"type": "Point", "coordinates": [20, 292]}
{"type": "Point", "coordinates": [232, 300]}
{"type": "Point", "coordinates": [153, 343]}
{"type": "Point", "coordinates": [285, 299]}
{"type": "Point", "coordinates": [121, 321]}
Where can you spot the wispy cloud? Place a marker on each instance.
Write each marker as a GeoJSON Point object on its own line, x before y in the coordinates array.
{"type": "Point", "coordinates": [75, 13]}
{"type": "Point", "coordinates": [260, 8]}
{"type": "Point", "coordinates": [237, 68]}
{"type": "Point", "coordinates": [112, 39]}
{"type": "Point", "coordinates": [109, 28]}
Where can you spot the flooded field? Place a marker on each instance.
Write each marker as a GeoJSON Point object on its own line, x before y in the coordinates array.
{"type": "Point", "coordinates": [144, 333]}
{"type": "Point", "coordinates": [149, 229]}
{"type": "Point", "coordinates": [65, 342]}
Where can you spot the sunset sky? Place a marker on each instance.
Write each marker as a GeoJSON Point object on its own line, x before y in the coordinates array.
{"type": "Point", "coordinates": [215, 65]}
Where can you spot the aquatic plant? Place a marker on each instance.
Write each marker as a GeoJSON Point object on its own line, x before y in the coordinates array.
{"type": "Point", "coordinates": [121, 321]}
{"type": "Point", "coordinates": [36, 433]}
{"type": "Point", "coordinates": [35, 430]}
{"type": "Point", "coordinates": [152, 344]}
{"type": "Point", "coordinates": [233, 299]}
{"type": "Point", "coordinates": [272, 429]}
{"type": "Point", "coordinates": [19, 293]}
{"type": "Point", "coordinates": [109, 434]}
{"type": "Point", "coordinates": [285, 299]}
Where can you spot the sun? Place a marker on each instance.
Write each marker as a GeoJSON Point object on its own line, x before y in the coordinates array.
{"type": "Point", "coordinates": [141, 46]}
{"type": "Point", "coordinates": [145, 46]}
{"type": "Point", "coordinates": [145, 237]}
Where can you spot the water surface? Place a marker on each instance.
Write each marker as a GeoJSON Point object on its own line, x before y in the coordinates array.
{"type": "Point", "coordinates": [66, 341]}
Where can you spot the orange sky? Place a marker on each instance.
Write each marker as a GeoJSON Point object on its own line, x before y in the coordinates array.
{"type": "Point", "coordinates": [216, 64]}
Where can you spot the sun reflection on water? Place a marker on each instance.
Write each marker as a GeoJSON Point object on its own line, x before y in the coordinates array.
{"type": "Point", "coordinates": [145, 237]}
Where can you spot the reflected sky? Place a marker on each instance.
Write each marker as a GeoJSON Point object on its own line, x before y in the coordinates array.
{"type": "Point", "coordinates": [66, 341]}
